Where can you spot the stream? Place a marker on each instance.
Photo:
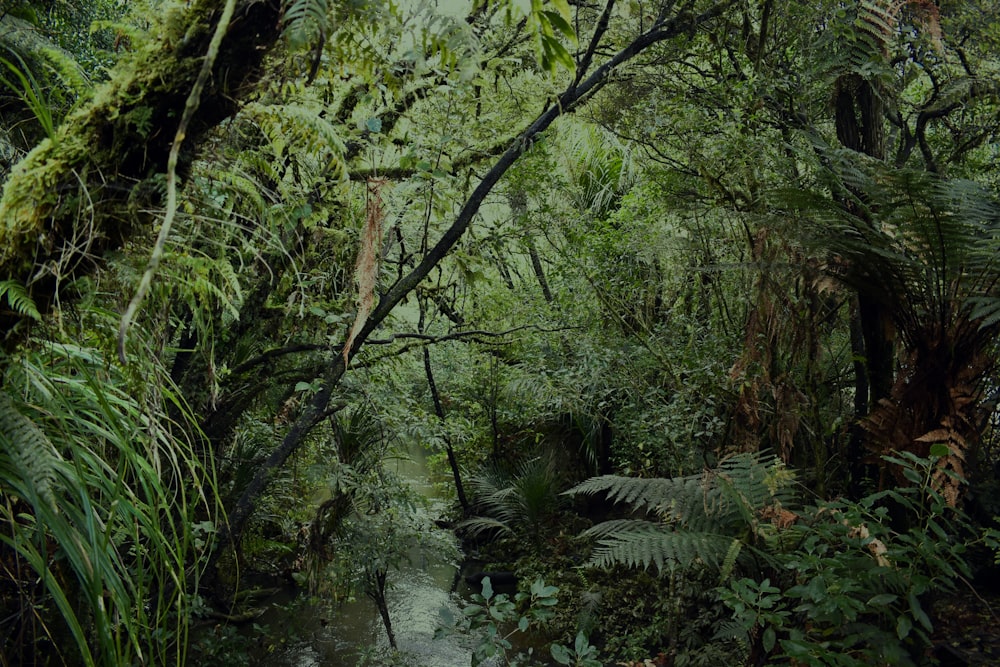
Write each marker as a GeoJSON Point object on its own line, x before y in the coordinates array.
{"type": "Point", "coordinates": [325, 634]}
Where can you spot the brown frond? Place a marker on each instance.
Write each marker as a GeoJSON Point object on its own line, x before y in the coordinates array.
{"type": "Point", "coordinates": [369, 259]}
{"type": "Point", "coordinates": [879, 18]}
{"type": "Point", "coordinates": [936, 400]}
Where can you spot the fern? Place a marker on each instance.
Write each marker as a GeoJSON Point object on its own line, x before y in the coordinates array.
{"type": "Point", "coordinates": [302, 133]}
{"type": "Point", "coordinates": [32, 456]}
{"type": "Point", "coordinates": [703, 519]}
{"type": "Point", "coordinates": [19, 299]}
{"type": "Point", "coordinates": [68, 71]}
{"type": "Point", "coordinates": [638, 543]}
{"type": "Point", "coordinates": [307, 23]}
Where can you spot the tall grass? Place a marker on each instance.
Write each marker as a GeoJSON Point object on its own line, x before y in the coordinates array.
{"type": "Point", "coordinates": [99, 493]}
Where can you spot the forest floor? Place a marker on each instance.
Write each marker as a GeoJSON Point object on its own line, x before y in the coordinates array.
{"type": "Point", "coordinates": [967, 631]}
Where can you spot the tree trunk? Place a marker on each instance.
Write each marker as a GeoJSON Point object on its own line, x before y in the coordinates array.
{"type": "Point", "coordinates": [536, 266]}
{"type": "Point", "coordinates": [860, 127]}
{"type": "Point", "coordinates": [449, 450]}
{"type": "Point", "coordinates": [377, 593]}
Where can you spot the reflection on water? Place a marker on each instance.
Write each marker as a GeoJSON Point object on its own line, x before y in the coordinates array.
{"type": "Point", "coordinates": [324, 634]}
{"type": "Point", "coordinates": [321, 634]}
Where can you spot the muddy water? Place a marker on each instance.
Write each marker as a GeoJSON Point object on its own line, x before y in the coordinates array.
{"type": "Point", "coordinates": [322, 634]}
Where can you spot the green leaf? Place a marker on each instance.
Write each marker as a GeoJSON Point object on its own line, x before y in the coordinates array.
{"type": "Point", "coordinates": [882, 599]}
{"type": "Point", "coordinates": [562, 25]}
{"type": "Point", "coordinates": [487, 589]}
{"type": "Point", "coordinates": [769, 639]}
{"type": "Point", "coordinates": [903, 626]}
{"type": "Point", "coordinates": [560, 654]}
{"type": "Point", "coordinates": [912, 475]}
{"type": "Point", "coordinates": [918, 612]}
{"type": "Point", "coordinates": [554, 53]}
{"type": "Point", "coordinates": [539, 589]}
{"type": "Point", "coordinates": [374, 125]}
{"type": "Point", "coordinates": [522, 624]}
{"type": "Point", "coordinates": [940, 450]}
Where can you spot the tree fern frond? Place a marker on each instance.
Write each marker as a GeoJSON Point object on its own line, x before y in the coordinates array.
{"type": "Point", "coordinates": [643, 544]}
{"type": "Point", "coordinates": [307, 24]}
{"type": "Point", "coordinates": [753, 485]}
{"type": "Point", "coordinates": [986, 310]}
{"type": "Point", "coordinates": [642, 493]}
{"type": "Point", "coordinates": [701, 516]}
{"type": "Point", "coordinates": [306, 21]}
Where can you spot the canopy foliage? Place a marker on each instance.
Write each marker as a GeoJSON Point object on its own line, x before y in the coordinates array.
{"type": "Point", "coordinates": [640, 238]}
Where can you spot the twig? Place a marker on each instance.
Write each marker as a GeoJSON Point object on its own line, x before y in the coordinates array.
{"type": "Point", "coordinates": [193, 100]}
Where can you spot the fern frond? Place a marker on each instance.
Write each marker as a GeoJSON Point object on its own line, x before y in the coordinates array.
{"type": "Point", "coordinates": [19, 299]}
{"type": "Point", "coordinates": [643, 543]}
{"type": "Point", "coordinates": [703, 517]}
{"type": "Point", "coordinates": [301, 131]}
{"type": "Point", "coordinates": [307, 23]}
{"type": "Point", "coordinates": [68, 70]}
{"type": "Point", "coordinates": [247, 190]}
{"type": "Point", "coordinates": [652, 494]}
{"type": "Point", "coordinates": [208, 281]}
{"type": "Point", "coordinates": [729, 562]}
{"type": "Point", "coordinates": [33, 457]}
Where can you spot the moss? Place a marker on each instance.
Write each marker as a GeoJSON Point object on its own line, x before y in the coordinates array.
{"type": "Point", "coordinates": [102, 151]}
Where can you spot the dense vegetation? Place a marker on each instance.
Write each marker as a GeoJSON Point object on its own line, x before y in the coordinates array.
{"type": "Point", "coordinates": [694, 304]}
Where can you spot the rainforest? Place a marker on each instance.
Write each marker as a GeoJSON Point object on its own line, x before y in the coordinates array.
{"type": "Point", "coordinates": [446, 333]}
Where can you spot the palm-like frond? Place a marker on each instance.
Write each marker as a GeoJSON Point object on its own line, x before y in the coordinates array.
{"type": "Point", "coordinates": [512, 501]}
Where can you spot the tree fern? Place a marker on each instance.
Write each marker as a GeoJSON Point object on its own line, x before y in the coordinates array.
{"type": "Point", "coordinates": [702, 519]}
{"type": "Point", "coordinates": [925, 252]}
{"type": "Point", "coordinates": [867, 40]}
{"type": "Point", "coordinates": [307, 22]}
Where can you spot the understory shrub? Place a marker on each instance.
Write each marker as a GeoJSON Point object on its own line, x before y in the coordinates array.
{"type": "Point", "coordinates": [856, 587]}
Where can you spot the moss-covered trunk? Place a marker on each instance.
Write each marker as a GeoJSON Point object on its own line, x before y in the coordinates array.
{"type": "Point", "coordinates": [81, 194]}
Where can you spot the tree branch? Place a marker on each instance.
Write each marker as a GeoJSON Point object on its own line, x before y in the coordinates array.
{"type": "Point", "coordinates": [567, 102]}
